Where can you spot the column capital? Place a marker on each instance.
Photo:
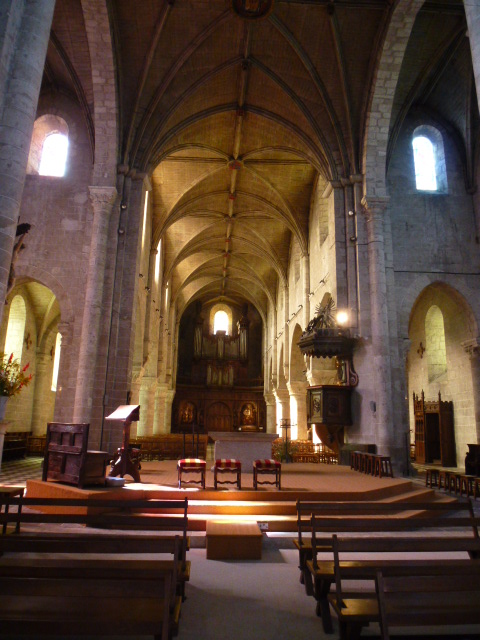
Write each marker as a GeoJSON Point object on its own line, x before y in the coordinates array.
{"type": "Point", "coordinates": [101, 197]}
{"type": "Point", "coordinates": [472, 346]}
{"type": "Point", "coordinates": [374, 206]}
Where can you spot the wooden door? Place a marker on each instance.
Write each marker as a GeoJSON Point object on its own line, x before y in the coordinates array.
{"type": "Point", "coordinates": [432, 438]}
{"type": "Point", "coordinates": [447, 436]}
{"type": "Point", "coordinates": [218, 417]}
{"type": "Point", "coordinates": [420, 437]}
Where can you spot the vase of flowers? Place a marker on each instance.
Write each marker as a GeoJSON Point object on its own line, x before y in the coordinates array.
{"type": "Point", "coordinates": [13, 377]}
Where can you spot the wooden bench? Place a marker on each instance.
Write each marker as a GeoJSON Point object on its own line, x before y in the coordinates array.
{"type": "Point", "coordinates": [377, 519]}
{"type": "Point", "coordinates": [129, 515]}
{"type": "Point", "coordinates": [360, 559]}
{"type": "Point", "coordinates": [15, 445]}
{"type": "Point", "coordinates": [87, 593]}
{"type": "Point", "coordinates": [337, 517]}
{"type": "Point", "coordinates": [450, 597]}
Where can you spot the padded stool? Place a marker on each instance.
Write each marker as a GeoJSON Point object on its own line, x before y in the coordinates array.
{"type": "Point", "coordinates": [227, 465]}
{"type": "Point", "coordinates": [267, 466]}
{"type": "Point", "coordinates": [192, 465]}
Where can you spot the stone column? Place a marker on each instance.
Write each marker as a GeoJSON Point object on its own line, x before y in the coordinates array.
{"type": "Point", "coordinates": [472, 13]}
{"type": "Point", "coordinates": [380, 354]}
{"type": "Point", "coordinates": [102, 199]}
{"type": "Point", "coordinates": [472, 347]}
{"type": "Point", "coordinates": [24, 35]}
{"type": "Point", "coordinates": [298, 392]}
{"type": "Point", "coordinates": [146, 402]}
{"type": "Point", "coordinates": [271, 426]}
{"type": "Point", "coordinates": [282, 397]}
{"type": "Point", "coordinates": [42, 390]}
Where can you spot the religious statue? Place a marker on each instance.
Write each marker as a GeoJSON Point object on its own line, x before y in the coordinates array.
{"type": "Point", "coordinates": [187, 414]}
{"type": "Point", "coordinates": [248, 414]}
{"type": "Point", "coordinates": [22, 230]}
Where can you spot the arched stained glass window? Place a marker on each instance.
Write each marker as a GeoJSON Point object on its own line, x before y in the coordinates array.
{"type": "Point", "coordinates": [435, 343]}
{"type": "Point", "coordinates": [424, 158]}
{"type": "Point", "coordinates": [220, 322]}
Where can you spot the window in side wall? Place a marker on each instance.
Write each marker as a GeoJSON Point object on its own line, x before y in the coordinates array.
{"type": "Point", "coordinates": [49, 147]}
{"type": "Point", "coordinates": [56, 361]}
{"type": "Point", "coordinates": [429, 160]}
{"type": "Point", "coordinates": [17, 318]}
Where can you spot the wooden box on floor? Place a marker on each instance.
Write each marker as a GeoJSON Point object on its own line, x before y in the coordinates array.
{"type": "Point", "coordinates": [233, 541]}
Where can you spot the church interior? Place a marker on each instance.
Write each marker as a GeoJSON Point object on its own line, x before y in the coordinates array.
{"type": "Point", "coordinates": [190, 190]}
{"type": "Point", "coordinates": [240, 228]}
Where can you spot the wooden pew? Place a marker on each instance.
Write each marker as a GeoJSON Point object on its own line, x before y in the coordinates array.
{"type": "Point", "coordinates": [74, 592]}
{"type": "Point", "coordinates": [449, 598]}
{"type": "Point", "coordinates": [319, 574]}
{"type": "Point", "coordinates": [337, 517]}
{"type": "Point", "coordinates": [128, 515]}
{"type": "Point", "coordinates": [360, 559]}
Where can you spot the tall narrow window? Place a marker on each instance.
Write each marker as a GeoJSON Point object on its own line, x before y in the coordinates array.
{"type": "Point", "coordinates": [16, 328]}
{"type": "Point", "coordinates": [220, 322]}
{"type": "Point", "coordinates": [429, 160]}
{"type": "Point", "coordinates": [436, 351]}
{"type": "Point", "coordinates": [424, 157]}
{"type": "Point", "coordinates": [54, 155]}
{"type": "Point", "coordinates": [56, 361]}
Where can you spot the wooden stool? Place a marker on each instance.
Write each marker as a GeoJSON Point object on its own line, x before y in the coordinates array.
{"type": "Point", "coordinates": [192, 465]}
{"type": "Point", "coordinates": [453, 482]}
{"type": "Point", "coordinates": [7, 492]}
{"type": "Point", "coordinates": [267, 466]}
{"type": "Point", "coordinates": [370, 463]}
{"type": "Point", "coordinates": [466, 484]}
{"type": "Point", "coordinates": [431, 478]}
{"type": "Point", "coordinates": [476, 487]}
{"type": "Point", "coordinates": [386, 466]}
{"type": "Point", "coordinates": [227, 465]}
{"type": "Point", "coordinates": [444, 479]}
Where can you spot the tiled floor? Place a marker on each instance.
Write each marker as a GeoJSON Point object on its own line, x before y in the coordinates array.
{"type": "Point", "coordinates": [17, 472]}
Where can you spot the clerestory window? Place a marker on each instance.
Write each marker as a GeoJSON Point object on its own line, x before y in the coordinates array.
{"type": "Point", "coordinates": [220, 322]}
{"type": "Point", "coordinates": [429, 160]}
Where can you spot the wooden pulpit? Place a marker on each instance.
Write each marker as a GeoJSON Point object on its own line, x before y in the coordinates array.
{"type": "Point", "coordinates": [124, 464]}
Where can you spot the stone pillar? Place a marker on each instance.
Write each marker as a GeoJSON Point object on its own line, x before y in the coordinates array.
{"type": "Point", "coordinates": [298, 392]}
{"type": "Point", "coordinates": [472, 347]}
{"type": "Point", "coordinates": [159, 424]}
{"type": "Point", "coordinates": [146, 401]}
{"type": "Point", "coordinates": [271, 426]}
{"type": "Point", "coordinates": [306, 290]}
{"type": "Point", "coordinates": [42, 390]}
{"type": "Point", "coordinates": [472, 13]}
{"type": "Point", "coordinates": [380, 352]}
{"type": "Point", "coordinates": [102, 199]}
{"type": "Point", "coordinates": [24, 35]}
{"type": "Point", "coordinates": [282, 398]}
{"type": "Point", "coordinates": [66, 375]}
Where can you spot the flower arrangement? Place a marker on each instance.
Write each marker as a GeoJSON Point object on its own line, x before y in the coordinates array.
{"type": "Point", "coordinates": [13, 376]}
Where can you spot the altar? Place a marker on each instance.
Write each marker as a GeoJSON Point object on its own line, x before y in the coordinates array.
{"type": "Point", "coordinates": [245, 447]}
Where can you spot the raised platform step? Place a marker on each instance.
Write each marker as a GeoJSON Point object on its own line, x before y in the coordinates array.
{"type": "Point", "coordinates": [275, 510]}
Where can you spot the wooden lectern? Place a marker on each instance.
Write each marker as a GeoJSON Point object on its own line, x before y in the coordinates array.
{"type": "Point", "coordinates": [127, 414]}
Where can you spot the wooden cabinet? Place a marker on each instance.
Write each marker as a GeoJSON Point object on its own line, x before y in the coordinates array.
{"type": "Point", "coordinates": [434, 431]}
